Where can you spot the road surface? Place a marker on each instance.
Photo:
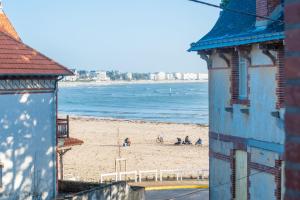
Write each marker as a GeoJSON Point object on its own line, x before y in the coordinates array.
{"type": "Point", "coordinates": [178, 194]}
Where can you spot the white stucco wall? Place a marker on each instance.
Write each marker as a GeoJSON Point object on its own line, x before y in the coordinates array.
{"type": "Point", "coordinates": [262, 186]}
{"type": "Point", "coordinates": [218, 62]}
{"type": "Point", "coordinates": [221, 147]}
{"type": "Point", "coordinates": [220, 179]}
{"type": "Point", "coordinates": [259, 124]}
{"type": "Point", "coordinates": [27, 146]}
{"type": "Point", "coordinates": [258, 58]}
{"type": "Point", "coordinates": [263, 100]}
{"type": "Point", "coordinates": [263, 157]}
{"type": "Point", "coordinates": [219, 99]}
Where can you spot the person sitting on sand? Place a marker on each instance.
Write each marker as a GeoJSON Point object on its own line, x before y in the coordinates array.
{"type": "Point", "coordinates": [187, 140]}
{"type": "Point", "coordinates": [199, 142]}
{"type": "Point", "coordinates": [127, 142]}
{"type": "Point", "coordinates": [160, 139]}
{"type": "Point", "coordinates": [178, 141]}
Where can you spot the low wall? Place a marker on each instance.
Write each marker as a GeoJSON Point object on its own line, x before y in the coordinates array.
{"type": "Point", "coordinates": [85, 191]}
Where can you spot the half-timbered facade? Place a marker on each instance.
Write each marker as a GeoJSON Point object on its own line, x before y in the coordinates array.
{"type": "Point", "coordinates": [245, 57]}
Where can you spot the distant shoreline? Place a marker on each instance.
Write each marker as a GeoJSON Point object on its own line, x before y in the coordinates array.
{"type": "Point", "coordinates": [110, 119]}
{"type": "Point", "coordinates": [104, 83]}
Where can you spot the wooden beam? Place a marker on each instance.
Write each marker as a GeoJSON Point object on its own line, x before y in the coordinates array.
{"type": "Point", "coordinates": [61, 166]}
{"type": "Point", "coordinates": [61, 154]}
{"type": "Point", "coordinates": [267, 47]}
{"type": "Point", "coordinates": [225, 50]}
{"type": "Point", "coordinates": [222, 55]}
{"type": "Point", "coordinates": [68, 126]}
{"type": "Point", "coordinates": [271, 46]}
{"type": "Point", "coordinates": [271, 56]}
{"type": "Point", "coordinates": [207, 57]}
{"type": "Point", "coordinates": [245, 51]}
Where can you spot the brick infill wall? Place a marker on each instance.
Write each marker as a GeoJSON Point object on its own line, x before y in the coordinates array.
{"type": "Point", "coordinates": [292, 118]}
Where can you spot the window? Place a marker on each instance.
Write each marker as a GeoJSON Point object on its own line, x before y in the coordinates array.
{"type": "Point", "coordinates": [239, 79]}
{"type": "Point", "coordinates": [243, 78]}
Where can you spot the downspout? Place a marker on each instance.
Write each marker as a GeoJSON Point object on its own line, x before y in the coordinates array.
{"type": "Point", "coordinates": [58, 79]}
{"type": "Point", "coordinates": [56, 138]}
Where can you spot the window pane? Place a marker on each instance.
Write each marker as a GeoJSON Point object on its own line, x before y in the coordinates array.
{"type": "Point", "coordinates": [243, 74]}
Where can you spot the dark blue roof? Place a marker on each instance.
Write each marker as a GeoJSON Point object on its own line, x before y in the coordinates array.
{"type": "Point", "coordinates": [233, 29]}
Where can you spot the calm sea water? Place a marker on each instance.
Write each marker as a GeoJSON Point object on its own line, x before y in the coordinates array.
{"type": "Point", "coordinates": [168, 102]}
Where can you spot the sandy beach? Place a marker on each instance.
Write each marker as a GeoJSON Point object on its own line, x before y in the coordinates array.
{"type": "Point", "coordinates": [97, 154]}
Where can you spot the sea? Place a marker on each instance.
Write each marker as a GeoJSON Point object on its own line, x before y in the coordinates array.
{"type": "Point", "coordinates": [159, 102]}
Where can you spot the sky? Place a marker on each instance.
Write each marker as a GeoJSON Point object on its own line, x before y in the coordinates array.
{"type": "Point", "coordinates": [125, 35]}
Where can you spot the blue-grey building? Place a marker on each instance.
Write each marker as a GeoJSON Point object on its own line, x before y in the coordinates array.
{"type": "Point", "coordinates": [245, 58]}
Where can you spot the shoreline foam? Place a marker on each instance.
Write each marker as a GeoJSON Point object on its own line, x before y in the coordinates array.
{"type": "Point", "coordinates": [111, 119]}
{"type": "Point", "coordinates": [107, 83]}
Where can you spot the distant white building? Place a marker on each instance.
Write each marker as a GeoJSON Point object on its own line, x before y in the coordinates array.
{"type": "Point", "coordinates": [160, 76]}
{"type": "Point", "coordinates": [102, 76]}
{"type": "Point", "coordinates": [128, 76]}
{"type": "Point", "coordinates": [152, 76]}
{"type": "Point", "coordinates": [178, 76]}
{"type": "Point", "coordinates": [92, 75]}
{"type": "Point", "coordinates": [170, 76]}
{"type": "Point", "coordinates": [202, 76]}
{"type": "Point", "coordinates": [83, 75]}
{"type": "Point", "coordinates": [190, 76]}
{"type": "Point", "coordinates": [73, 77]}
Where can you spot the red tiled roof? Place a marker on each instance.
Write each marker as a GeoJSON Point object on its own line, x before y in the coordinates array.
{"type": "Point", "coordinates": [16, 58]}
{"type": "Point", "coordinates": [7, 27]}
{"type": "Point", "coordinates": [68, 142]}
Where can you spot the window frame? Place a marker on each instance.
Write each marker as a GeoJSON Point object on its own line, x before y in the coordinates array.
{"type": "Point", "coordinates": [243, 81]}
{"type": "Point", "coordinates": [235, 79]}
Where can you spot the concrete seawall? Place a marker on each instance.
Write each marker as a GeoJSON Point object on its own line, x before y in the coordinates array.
{"type": "Point", "coordinates": [85, 191]}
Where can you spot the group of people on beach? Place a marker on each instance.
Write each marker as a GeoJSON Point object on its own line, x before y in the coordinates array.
{"type": "Point", "coordinates": [187, 141]}
{"type": "Point", "coordinates": [160, 139]}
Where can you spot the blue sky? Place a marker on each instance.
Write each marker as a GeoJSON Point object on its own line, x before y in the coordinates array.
{"type": "Point", "coordinates": [132, 35]}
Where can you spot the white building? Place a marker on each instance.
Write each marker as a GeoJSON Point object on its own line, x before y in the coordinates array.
{"type": "Point", "coordinates": [190, 76]}
{"type": "Point", "coordinates": [83, 75]}
{"type": "Point", "coordinates": [28, 96]}
{"type": "Point", "coordinates": [73, 77]}
{"type": "Point", "coordinates": [152, 77]}
{"type": "Point", "coordinates": [102, 76]}
{"type": "Point", "coordinates": [170, 76]}
{"type": "Point", "coordinates": [92, 75]}
{"type": "Point", "coordinates": [128, 76]}
{"type": "Point", "coordinates": [160, 76]}
{"type": "Point", "coordinates": [202, 76]}
{"type": "Point", "coordinates": [178, 76]}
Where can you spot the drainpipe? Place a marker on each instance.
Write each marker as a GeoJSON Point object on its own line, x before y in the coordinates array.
{"type": "Point", "coordinates": [56, 138]}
